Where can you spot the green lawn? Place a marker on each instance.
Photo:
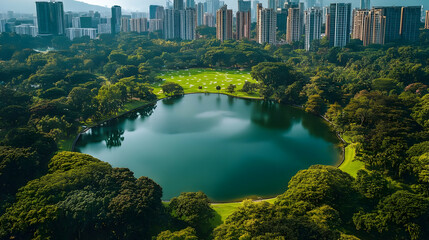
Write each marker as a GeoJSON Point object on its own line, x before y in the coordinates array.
{"type": "Point", "coordinates": [223, 210]}
{"type": "Point", "coordinates": [350, 165]}
{"type": "Point", "coordinates": [208, 79]}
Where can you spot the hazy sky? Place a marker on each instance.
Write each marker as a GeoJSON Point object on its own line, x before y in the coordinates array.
{"type": "Point", "coordinates": [142, 5]}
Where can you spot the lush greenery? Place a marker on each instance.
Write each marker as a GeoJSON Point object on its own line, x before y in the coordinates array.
{"type": "Point", "coordinates": [377, 96]}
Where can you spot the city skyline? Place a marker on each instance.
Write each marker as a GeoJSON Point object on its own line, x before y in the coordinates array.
{"type": "Point", "coordinates": [25, 6]}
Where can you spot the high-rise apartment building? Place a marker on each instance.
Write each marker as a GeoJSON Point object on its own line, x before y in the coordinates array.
{"type": "Point", "coordinates": [209, 20]}
{"type": "Point", "coordinates": [178, 5]}
{"type": "Point", "coordinates": [116, 19]}
{"type": "Point", "coordinates": [313, 26]}
{"type": "Point", "coordinates": [224, 23]}
{"type": "Point", "coordinates": [125, 25]}
{"type": "Point", "coordinates": [266, 25]}
{"type": "Point", "coordinates": [156, 25]}
{"type": "Point", "coordinates": [156, 12]}
{"type": "Point", "coordinates": [365, 4]}
{"type": "Point", "coordinates": [244, 6]}
{"type": "Point", "coordinates": [73, 33]}
{"type": "Point", "coordinates": [427, 20]}
{"type": "Point", "coordinates": [339, 24]}
{"type": "Point", "coordinates": [169, 23]}
{"type": "Point", "coordinates": [25, 29]}
{"type": "Point", "coordinates": [294, 27]}
{"type": "Point", "coordinates": [360, 18]}
{"type": "Point", "coordinates": [393, 23]}
{"type": "Point", "coordinates": [369, 26]}
{"type": "Point", "coordinates": [410, 21]}
{"type": "Point", "coordinates": [190, 4]}
{"type": "Point", "coordinates": [200, 14]}
{"type": "Point", "coordinates": [2, 25]}
{"type": "Point", "coordinates": [272, 4]}
{"type": "Point", "coordinates": [50, 18]}
{"type": "Point", "coordinates": [138, 25]}
{"type": "Point", "coordinates": [212, 6]}
{"type": "Point", "coordinates": [68, 18]}
{"type": "Point", "coordinates": [188, 24]}
{"type": "Point", "coordinates": [243, 22]}
{"type": "Point", "coordinates": [254, 9]}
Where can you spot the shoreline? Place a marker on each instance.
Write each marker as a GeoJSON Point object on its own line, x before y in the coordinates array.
{"type": "Point", "coordinates": [258, 199]}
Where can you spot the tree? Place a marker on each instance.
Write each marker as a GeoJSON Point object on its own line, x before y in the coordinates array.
{"type": "Point", "coordinates": [249, 87]}
{"type": "Point", "coordinates": [402, 213]}
{"type": "Point", "coordinates": [315, 104]}
{"type": "Point", "coordinates": [172, 89]}
{"type": "Point", "coordinates": [231, 88]}
{"type": "Point", "coordinates": [17, 167]}
{"type": "Point", "coordinates": [194, 209]}
{"type": "Point", "coordinates": [184, 234]}
{"type": "Point", "coordinates": [267, 221]}
{"type": "Point", "coordinates": [218, 88]}
{"type": "Point", "coordinates": [274, 74]}
{"type": "Point", "coordinates": [372, 185]}
{"type": "Point", "coordinates": [320, 185]}
{"type": "Point", "coordinates": [82, 197]}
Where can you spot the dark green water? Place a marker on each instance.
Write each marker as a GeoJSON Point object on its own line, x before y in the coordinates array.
{"type": "Point", "coordinates": [227, 147]}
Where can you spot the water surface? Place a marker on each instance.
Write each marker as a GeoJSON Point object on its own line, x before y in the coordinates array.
{"type": "Point", "coordinates": [227, 147]}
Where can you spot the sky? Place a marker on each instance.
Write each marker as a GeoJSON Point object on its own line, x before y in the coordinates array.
{"type": "Point", "coordinates": [143, 5]}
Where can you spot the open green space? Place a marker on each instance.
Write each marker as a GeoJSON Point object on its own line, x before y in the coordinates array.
{"type": "Point", "coordinates": [350, 164]}
{"type": "Point", "coordinates": [208, 80]}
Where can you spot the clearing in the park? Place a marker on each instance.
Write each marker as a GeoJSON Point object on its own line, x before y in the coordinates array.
{"type": "Point", "coordinates": [208, 79]}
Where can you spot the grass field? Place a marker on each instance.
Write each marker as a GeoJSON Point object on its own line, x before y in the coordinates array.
{"type": "Point", "coordinates": [350, 165]}
{"type": "Point", "coordinates": [208, 79]}
{"type": "Point", "coordinates": [223, 210]}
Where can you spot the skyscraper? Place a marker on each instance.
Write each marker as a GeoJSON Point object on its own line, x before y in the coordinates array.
{"type": "Point", "coordinates": [156, 25]}
{"type": "Point", "coordinates": [212, 6]}
{"type": "Point", "coordinates": [393, 22]}
{"type": "Point", "coordinates": [410, 21]}
{"type": "Point", "coordinates": [50, 18]}
{"type": "Point", "coordinates": [200, 14]}
{"type": "Point", "coordinates": [254, 9]}
{"type": "Point", "coordinates": [369, 26]}
{"type": "Point", "coordinates": [365, 4]}
{"type": "Point", "coordinates": [243, 25]}
{"type": "Point", "coordinates": [360, 19]}
{"type": "Point", "coordinates": [244, 6]}
{"type": "Point", "coordinates": [427, 20]}
{"type": "Point", "coordinates": [313, 26]}
{"type": "Point", "coordinates": [339, 24]}
{"type": "Point", "coordinates": [266, 25]}
{"type": "Point", "coordinates": [187, 24]}
{"type": "Point", "coordinates": [178, 5]}
{"type": "Point", "coordinates": [224, 23]}
{"type": "Point", "coordinates": [190, 4]}
{"type": "Point", "coordinates": [125, 25]}
{"type": "Point", "coordinates": [116, 19]}
{"type": "Point", "coordinates": [294, 27]}
{"type": "Point", "coordinates": [156, 12]}
{"type": "Point", "coordinates": [169, 24]}
{"type": "Point", "coordinates": [209, 20]}
{"type": "Point", "coordinates": [138, 25]}
{"type": "Point", "coordinates": [272, 4]}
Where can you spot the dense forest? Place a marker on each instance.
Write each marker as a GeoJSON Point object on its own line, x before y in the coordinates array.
{"type": "Point", "coordinates": [375, 95]}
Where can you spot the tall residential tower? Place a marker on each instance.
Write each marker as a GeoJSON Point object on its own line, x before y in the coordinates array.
{"type": "Point", "coordinates": [50, 18]}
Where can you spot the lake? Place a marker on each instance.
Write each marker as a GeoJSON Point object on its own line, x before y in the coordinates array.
{"type": "Point", "coordinates": [227, 147]}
